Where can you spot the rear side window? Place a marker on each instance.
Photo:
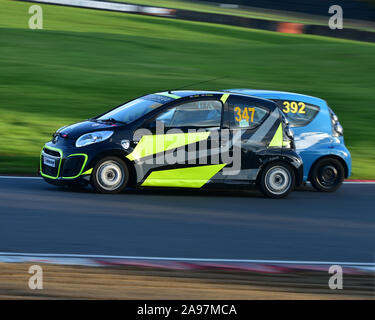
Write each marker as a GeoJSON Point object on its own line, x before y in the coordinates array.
{"type": "Point", "coordinates": [298, 113]}
{"type": "Point", "coordinates": [246, 115]}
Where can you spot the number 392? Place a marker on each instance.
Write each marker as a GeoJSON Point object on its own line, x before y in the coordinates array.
{"type": "Point", "coordinates": [294, 107]}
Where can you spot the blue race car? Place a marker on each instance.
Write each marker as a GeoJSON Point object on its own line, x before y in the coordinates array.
{"type": "Point", "coordinates": [318, 137]}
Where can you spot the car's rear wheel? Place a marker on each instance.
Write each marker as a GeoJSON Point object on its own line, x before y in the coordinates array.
{"type": "Point", "coordinates": [110, 175]}
{"type": "Point", "coordinates": [327, 175]}
{"type": "Point", "coordinates": [277, 180]}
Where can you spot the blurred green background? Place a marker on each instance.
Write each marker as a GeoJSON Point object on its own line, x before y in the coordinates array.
{"type": "Point", "coordinates": [85, 61]}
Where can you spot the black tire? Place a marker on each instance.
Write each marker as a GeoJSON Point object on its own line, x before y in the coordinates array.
{"type": "Point", "coordinates": [110, 175]}
{"type": "Point", "coordinates": [277, 180]}
{"type": "Point", "coordinates": [327, 175]}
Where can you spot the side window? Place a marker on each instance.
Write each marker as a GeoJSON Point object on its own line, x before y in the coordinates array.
{"type": "Point", "coordinates": [298, 113]}
{"type": "Point", "coordinates": [202, 113]}
{"type": "Point", "coordinates": [245, 115]}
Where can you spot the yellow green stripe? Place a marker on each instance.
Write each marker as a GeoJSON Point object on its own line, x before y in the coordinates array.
{"type": "Point", "coordinates": [192, 177]}
{"type": "Point", "coordinates": [224, 97]}
{"type": "Point", "coordinates": [152, 144]}
{"type": "Point", "coordinates": [169, 95]}
{"type": "Point", "coordinates": [277, 140]}
{"type": "Point", "coordinates": [87, 172]}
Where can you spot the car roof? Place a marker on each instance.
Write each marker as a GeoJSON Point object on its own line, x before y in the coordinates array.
{"type": "Point", "coordinates": [186, 93]}
{"type": "Point", "coordinates": [272, 94]}
{"type": "Point", "coordinates": [189, 93]}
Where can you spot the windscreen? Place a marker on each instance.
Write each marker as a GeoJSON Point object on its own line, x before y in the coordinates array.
{"type": "Point", "coordinates": [135, 109]}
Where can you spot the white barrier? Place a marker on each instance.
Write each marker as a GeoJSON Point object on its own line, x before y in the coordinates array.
{"type": "Point", "coordinates": [111, 6]}
{"type": "Point", "coordinates": [258, 266]}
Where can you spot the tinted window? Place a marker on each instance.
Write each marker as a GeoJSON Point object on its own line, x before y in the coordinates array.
{"type": "Point", "coordinates": [202, 113]}
{"type": "Point", "coordinates": [246, 115]}
{"type": "Point", "coordinates": [298, 113]}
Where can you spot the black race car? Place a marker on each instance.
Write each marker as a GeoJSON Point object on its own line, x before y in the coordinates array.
{"type": "Point", "coordinates": [188, 139]}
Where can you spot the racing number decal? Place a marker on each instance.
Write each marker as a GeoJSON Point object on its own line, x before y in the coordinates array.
{"type": "Point", "coordinates": [244, 115]}
{"type": "Point", "coordinates": [294, 107]}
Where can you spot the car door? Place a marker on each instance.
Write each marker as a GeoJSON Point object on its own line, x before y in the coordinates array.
{"type": "Point", "coordinates": [255, 127]}
{"type": "Point", "coordinates": [178, 144]}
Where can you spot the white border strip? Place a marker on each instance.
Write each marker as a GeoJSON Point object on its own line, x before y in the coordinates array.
{"type": "Point", "coordinates": [359, 182]}
{"type": "Point", "coordinates": [108, 5]}
{"type": "Point", "coordinates": [286, 262]}
{"type": "Point", "coordinates": [123, 7]}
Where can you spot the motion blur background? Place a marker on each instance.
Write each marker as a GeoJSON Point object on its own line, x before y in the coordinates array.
{"type": "Point", "coordinates": [85, 61]}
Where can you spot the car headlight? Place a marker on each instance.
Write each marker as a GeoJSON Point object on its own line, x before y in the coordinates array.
{"type": "Point", "coordinates": [93, 137]}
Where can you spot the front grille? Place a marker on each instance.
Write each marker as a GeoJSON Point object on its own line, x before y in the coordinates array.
{"type": "Point", "coordinates": [51, 152]}
{"type": "Point", "coordinates": [72, 166]}
{"type": "Point", "coordinates": [53, 156]}
{"type": "Point", "coordinates": [49, 171]}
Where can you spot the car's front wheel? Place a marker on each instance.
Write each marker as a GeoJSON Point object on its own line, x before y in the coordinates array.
{"type": "Point", "coordinates": [327, 175]}
{"type": "Point", "coordinates": [277, 180]}
{"type": "Point", "coordinates": [110, 175]}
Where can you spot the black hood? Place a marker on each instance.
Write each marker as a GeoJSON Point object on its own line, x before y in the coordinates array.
{"type": "Point", "coordinates": [74, 131]}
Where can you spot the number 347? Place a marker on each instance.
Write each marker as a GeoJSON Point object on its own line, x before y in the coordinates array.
{"type": "Point", "coordinates": [294, 107]}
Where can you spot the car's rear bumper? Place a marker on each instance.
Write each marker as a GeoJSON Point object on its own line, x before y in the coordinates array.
{"type": "Point", "coordinates": [311, 156]}
{"type": "Point", "coordinates": [296, 162]}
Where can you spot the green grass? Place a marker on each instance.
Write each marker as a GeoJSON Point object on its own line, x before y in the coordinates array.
{"type": "Point", "coordinates": [86, 61]}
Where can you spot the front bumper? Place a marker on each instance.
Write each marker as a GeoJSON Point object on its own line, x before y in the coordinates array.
{"type": "Point", "coordinates": [63, 165]}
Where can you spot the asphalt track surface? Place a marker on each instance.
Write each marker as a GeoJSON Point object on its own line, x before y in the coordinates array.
{"type": "Point", "coordinates": [39, 218]}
